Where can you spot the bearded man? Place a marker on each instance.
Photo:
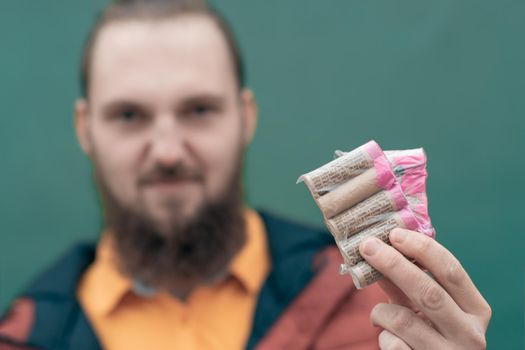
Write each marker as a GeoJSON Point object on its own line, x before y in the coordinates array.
{"type": "Point", "coordinates": [165, 119]}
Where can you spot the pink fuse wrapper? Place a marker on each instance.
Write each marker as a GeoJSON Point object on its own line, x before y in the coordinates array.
{"type": "Point", "coordinates": [410, 169]}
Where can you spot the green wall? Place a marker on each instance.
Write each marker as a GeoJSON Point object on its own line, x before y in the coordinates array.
{"type": "Point", "coordinates": [447, 75]}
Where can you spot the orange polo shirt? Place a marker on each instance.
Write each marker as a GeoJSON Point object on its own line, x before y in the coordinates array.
{"type": "Point", "coordinates": [212, 317]}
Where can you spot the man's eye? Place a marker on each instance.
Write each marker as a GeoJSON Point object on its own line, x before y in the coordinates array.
{"type": "Point", "coordinates": [201, 110]}
{"type": "Point", "coordinates": [128, 116]}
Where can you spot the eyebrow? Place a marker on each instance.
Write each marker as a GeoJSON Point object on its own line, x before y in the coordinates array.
{"type": "Point", "coordinates": [114, 106]}
{"type": "Point", "coordinates": [214, 99]}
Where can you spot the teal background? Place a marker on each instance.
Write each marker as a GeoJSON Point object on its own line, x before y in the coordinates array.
{"type": "Point", "coordinates": [447, 75]}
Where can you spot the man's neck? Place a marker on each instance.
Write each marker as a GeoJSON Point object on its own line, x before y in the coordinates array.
{"type": "Point", "coordinates": [179, 289]}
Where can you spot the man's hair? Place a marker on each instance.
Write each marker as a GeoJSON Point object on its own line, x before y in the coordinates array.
{"type": "Point", "coordinates": [124, 10]}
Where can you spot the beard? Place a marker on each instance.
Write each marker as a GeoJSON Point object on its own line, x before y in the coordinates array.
{"type": "Point", "coordinates": [184, 252]}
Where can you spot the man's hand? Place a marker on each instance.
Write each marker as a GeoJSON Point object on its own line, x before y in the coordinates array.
{"type": "Point", "coordinates": [443, 312]}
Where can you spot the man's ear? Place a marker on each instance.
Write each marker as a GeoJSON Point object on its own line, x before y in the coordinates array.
{"type": "Point", "coordinates": [249, 114]}
{"type": "Point", "coordinates": [82, 125]}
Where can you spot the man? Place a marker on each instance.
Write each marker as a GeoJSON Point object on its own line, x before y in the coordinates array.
{"type": "Point", "coordinates": [165, 119]}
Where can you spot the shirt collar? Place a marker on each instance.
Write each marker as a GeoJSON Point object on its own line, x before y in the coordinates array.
{"type": "Point", "coordinates": [103, 285]}
{"type": "Point", "coordinates": [251, 265]}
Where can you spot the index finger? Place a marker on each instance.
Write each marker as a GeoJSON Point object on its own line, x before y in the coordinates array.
{"type": "Point", "coordinates": [423, 291]}
{"type": "Point", "coordinates": [444, 266]}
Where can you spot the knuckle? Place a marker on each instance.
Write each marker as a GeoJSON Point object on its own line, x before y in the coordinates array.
{"type": "Point", "coordinates": [477, 340]}
{"type": "Point", "coordinates": [486, 314]}
{"type": "Point", "coordinates": [402, 319]}
{"type": "Point", "coordinates": [432, 296]}
{"type": "Point", "coordinates": [455, 273]}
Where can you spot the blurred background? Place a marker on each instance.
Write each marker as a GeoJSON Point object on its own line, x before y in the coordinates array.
{"type": "Point", "coordinates": [446, 75]}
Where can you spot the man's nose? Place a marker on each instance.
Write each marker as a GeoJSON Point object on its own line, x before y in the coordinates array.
{"type": "Point", "coordinates": [167, 143]}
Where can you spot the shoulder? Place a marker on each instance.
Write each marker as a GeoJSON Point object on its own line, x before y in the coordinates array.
{"type": "Point", "coordinates": [46, 296]}
{"type": "Point", "coordinates": [287, 236]}
{"type": "Point", "coordinates": [16, 324]}
{"type": "Point", "coordinates": [61, 277]}
{"type": "Point", "coordinates": [328, 313]}
{"type": "Point", "coordinates": [277, 222]}
{"type": "Point", "coordinates": [349, 323]}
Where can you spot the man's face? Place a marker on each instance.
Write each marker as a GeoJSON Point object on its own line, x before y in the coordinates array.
{"type": "Point", "coordinates": [164, 100]}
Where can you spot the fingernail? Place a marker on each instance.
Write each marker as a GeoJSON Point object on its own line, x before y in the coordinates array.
{"type": "Point", "coordinates": [371, 246]}
{"type": "Point", "coordinates": [399, 235]}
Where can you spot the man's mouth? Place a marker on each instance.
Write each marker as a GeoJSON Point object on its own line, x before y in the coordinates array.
{"type": "Point", "coordinates": [170, 185]}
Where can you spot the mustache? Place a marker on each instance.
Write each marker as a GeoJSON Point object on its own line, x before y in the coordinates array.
{"type": "Point", "coordinates": [163, 173]}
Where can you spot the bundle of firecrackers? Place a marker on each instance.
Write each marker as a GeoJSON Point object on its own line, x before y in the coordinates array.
{"type": "Point", "coordinates": [368, 192]}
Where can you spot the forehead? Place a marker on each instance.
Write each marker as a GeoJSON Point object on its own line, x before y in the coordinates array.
{"type": "Point", "coordinates": [185, 53]}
